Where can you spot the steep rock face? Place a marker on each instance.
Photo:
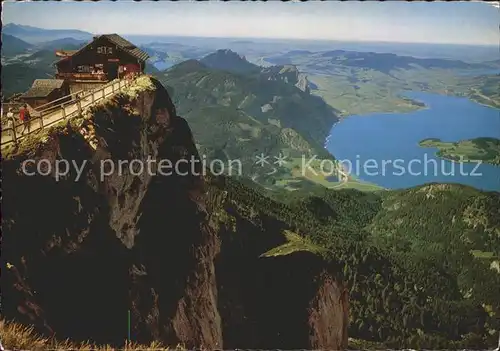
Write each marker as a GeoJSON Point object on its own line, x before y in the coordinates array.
{"type": "Point", "coordinates": [288, 74]}
{"type": "Point", "coordinates": [292, 301]}
{"type": "Point", "coordinates": [288, 302]}
{"type": "Point", "coordinates": [82, 253]}
{"type": "Point", "coordinates": [84, 250]}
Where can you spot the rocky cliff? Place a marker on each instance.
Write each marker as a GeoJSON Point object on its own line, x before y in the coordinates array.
{"type": "Point", "coordinates": [288, 74]}
{"type": "Point", "coordinates": [102, 238]}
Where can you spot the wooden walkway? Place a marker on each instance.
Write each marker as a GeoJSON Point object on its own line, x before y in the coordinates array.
{"type": "Point", "coordinates": [63, 111]}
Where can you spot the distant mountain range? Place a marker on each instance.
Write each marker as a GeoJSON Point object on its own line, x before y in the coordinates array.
{"type": "Point", "coordinates": [18, 76]}
{"type": "Point", "coordinates": [230, 61]}
{"type": "Point", "coordinates": [62, 43]}
{"type": "Point", "coordinates": [12, 45]}
{"type": "Point", "coordinates": [227, 60]}
{"type": "Point", "coordinates": [387, 62]}
{"type": "Point", "coordinates": [22, 63]}
{"type": "Point", "coordinates": [34, 35]}
{"type": "Point", "coordinates": [382, 62]}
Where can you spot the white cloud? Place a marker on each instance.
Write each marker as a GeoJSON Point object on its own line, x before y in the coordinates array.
{"type": "Point", "coordinates": [492, 3]}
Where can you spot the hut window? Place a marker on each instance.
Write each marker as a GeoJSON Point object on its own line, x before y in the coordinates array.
{"type": "Point", "coordinates": [84, 69]}
{"type": "Point", "coordinates": [105, 50]}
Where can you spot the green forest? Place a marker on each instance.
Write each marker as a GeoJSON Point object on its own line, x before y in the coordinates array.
{"type": "Point", "coordinates": [419, 263]}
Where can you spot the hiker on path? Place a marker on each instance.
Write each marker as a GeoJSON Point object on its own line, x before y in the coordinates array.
{"type": "Point", "coordinates": [11, 122]}
{"type": "Point", "coordinates": [24, 116]}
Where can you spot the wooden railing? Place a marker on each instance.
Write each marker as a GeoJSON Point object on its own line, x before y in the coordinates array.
{"type": "Point", "coordinates": [55, 104]}
{"type": "Point", "coordinates": [83, 76]}
{"type": "Point", "coordinates": [63, 111]}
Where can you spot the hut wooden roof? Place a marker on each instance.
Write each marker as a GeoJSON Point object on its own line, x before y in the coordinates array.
{"type": "Point", "coordinates": [43, 87]}
{"type": "Point", "coordinates": [119, 41]}
{"type": "Point", "coordinates": [127, 46]}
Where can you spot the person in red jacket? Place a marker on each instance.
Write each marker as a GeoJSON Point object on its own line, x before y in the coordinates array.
{"type": "Point", "coordinates": [24, 115]}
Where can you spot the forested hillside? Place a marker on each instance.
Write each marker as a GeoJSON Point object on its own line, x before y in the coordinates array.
{"type": "Point", "coordinates": [421, 264]}
{"type": "Point", "coordinates": [241, 116]}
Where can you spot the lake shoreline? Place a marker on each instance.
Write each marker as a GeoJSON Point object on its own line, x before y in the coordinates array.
{"type": "Point", "coordinates": [467, 150]}
{"type": "Point", "coordinates": [395, 135]}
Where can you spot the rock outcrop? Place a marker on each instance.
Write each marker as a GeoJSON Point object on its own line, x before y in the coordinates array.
{"type": "Point", "coordinates": [288, 74]}
{"type": "Point", "coordinates": [83, 250]}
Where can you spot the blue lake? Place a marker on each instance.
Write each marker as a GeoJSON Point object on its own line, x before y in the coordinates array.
{"type": "Point", "coordinates": [382, 148]}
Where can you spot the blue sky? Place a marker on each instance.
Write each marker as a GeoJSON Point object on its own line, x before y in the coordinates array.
{"type": "Point", "coordinates": [427, 22]}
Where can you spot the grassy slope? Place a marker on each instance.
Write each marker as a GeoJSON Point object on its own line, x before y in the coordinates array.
{"type": "Point", "coordinates": [374, 92]}
{"type": "Point", "coordinates": [483, 89]}
{"type": "Point", "coordinates": [294, 243]}
{"type": "Point", "coordinates": [19, 337]}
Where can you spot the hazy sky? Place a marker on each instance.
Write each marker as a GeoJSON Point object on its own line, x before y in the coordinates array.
{"type": "Point", "coordinates": [429, 22]}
